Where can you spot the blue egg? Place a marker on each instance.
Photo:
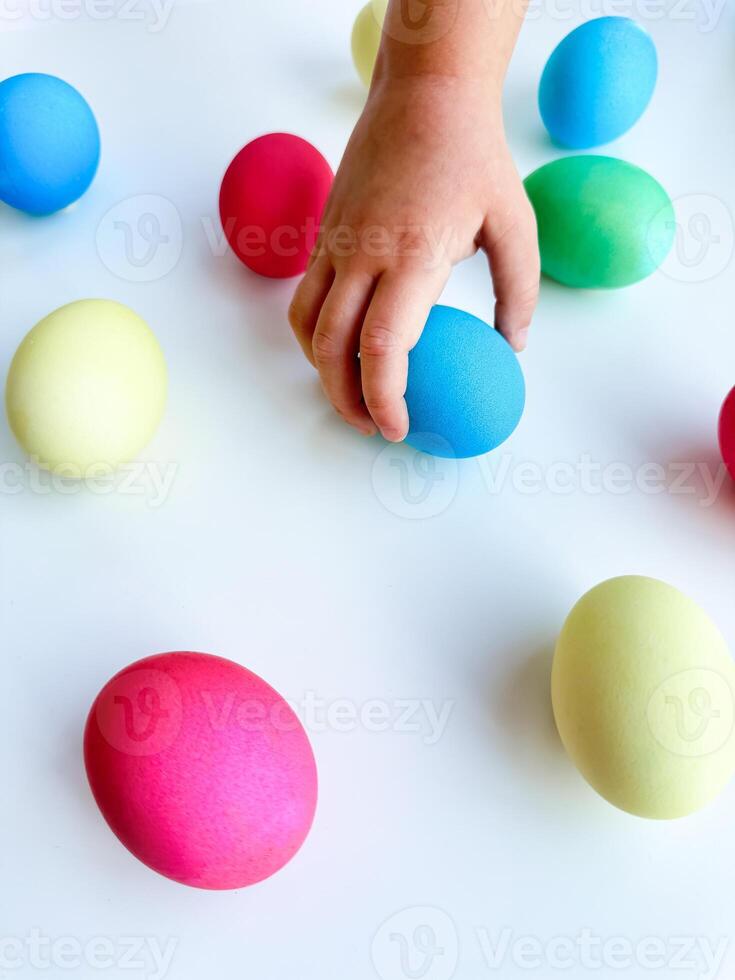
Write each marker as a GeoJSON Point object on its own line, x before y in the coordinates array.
{"type": "Point", "coordinates": [49, 143]}
{"type": "Point", "coordinates": [598, 82]}
{"type": "Point", "coordinates": [465, 392]}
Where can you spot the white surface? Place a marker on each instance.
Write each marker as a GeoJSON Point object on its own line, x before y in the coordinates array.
{"type": "Point", "coordinates": [284, 545]}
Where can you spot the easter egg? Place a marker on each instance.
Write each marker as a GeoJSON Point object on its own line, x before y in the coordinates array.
{"type": "Point", "coordinates": [271, 203]}
{"type": "Point", "coordinates": [643, 691]}
{"type": "Point", "coordinates": [727, 433]}
{"type": "Point", "coordinates": [201, 770]}
{"type": "Point", "coordinates": [465, 392]}
{"type": "Point", "coordinates": [86, 388]}
{"type": "Point", "coordinates": [598, 82]}
{"type": "Point", "coordinates": [366, 36]}
{"type": "Point", "coordinates": [49, 143]}
{"type": "Point", "coordinates": [602, 223]}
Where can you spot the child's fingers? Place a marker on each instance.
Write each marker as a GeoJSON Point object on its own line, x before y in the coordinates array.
{"type": "Point", "coordinates": [308, 300]}
{"type": "Point", "coordinates": [393, 325]}
{"type": "Point", "coordinates": [515, 268]}
{"type": "Point", "coordinates": [336, 343]}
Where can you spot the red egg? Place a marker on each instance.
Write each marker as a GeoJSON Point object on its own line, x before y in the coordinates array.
{"type": "Point", "coordinates": [201, 769]}
{"type": "Point", "coordinates": [271, 203]}
{"type": "Point", "coordinates": [727, 432]}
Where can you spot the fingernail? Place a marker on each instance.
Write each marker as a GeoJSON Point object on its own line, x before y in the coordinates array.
{"type": "Point", "coordinates": [392, 435]}
{"type": "Point", "coordinates": [367, 430]}
{"type": "Point", "coordinates": [521, 340]}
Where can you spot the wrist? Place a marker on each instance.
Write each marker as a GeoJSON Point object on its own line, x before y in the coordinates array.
{"type": "Point", "coordinates": [453, 40]}
{"type": "Point", "coordinates": [411, 81]}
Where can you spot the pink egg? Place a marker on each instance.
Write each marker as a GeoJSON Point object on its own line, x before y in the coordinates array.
{"type": "Point", "coordinates": [271, 202]}
{"type": "Point", "coordinates": [201, 769]}
{"type": "Point", "coordinates": [726, 433]}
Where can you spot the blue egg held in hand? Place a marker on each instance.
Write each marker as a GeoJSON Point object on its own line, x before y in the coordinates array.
{"type": "Point", "coordinates": [465, 393]}
{"type": "Point", "coordinates": [49, 143]}
{"type": "Point", "coordinates": [598, 82]}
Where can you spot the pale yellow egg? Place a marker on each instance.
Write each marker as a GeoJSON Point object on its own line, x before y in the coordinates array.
{"type": "Point", "coordinates": [87, 388]}
{"type": "Point", "coordinates": [643, 690]}
{"type": "Point", "coordinates": [366, 37]}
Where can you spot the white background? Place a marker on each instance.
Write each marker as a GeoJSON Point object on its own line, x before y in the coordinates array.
{"type": "Point", "coordinates": [287, 543]}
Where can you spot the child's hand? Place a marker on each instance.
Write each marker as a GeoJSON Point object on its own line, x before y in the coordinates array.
{"type": "Point", "coordinates": [426, 180]}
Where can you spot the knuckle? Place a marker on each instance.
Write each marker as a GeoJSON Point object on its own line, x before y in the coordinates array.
{"type": "Point", "coordinates": [527, 225]}
{"type": "Point", "coordinates": [531, 223]}
{"type": "Point", "coordinates": [350, 413]}
{"type": "Point", "coordinates": [326, 347]}
{"type": "Point", "coordinates": [521, 225]}
{"type": "Point", "coordinates": [378, 340]}
{"type": "Point", "coordinates": [525, 211]}
{"type": "Point", "coordinates": [501, 236]}
{"type": "Point", "coordinates": [527, 297]}
{"type": "Point", "coordinates": [521, 306]}
{"type": "Point", "coordinates": [379, 405]}
{"type": "Point", "coordinates": [341, 409]}
{"type": "Point", "coordinates": [410, 242]}
{"type": "Point", "coordinates": [296, 315]}
{"type": "Point", "coordinates": [347, 409]}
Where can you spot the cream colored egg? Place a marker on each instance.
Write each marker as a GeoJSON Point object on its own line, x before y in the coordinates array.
{"type": "Point", "coordinates": [87, 388]}
{"type": "Point", "coordinates": [366, 36]}
{"type": "Point", "coordinates": [643, 690]}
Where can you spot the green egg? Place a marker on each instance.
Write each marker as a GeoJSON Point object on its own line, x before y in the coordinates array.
{"type": "Point", "coordinates": [643, 691]}
{"type": "Point", "coordinates": [602, 223]}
